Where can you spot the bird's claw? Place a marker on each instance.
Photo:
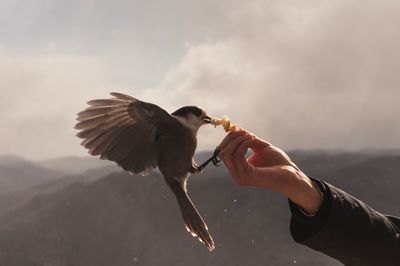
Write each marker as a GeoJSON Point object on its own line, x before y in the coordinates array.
{"type": "Point", "coordinates": [215, 159]}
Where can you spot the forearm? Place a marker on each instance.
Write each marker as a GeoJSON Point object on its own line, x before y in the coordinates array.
{"type": "Point", "coordinates": [304, 192]}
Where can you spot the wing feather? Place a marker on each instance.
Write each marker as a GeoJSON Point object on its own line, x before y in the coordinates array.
{"type": "Point", "coordinates": [98, 110]}
{"type": "Point", "coordinates": [105, 143]}
{"type": "Point", "coordinates": [106, 102]}
{"type": "Point", "coordinates": [123, 96]}
{"type": "Point", "coordinates": [123, 129]}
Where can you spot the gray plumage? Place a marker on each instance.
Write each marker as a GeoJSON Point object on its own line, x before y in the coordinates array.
{"type": "Point", "coordinates": [140, 136]}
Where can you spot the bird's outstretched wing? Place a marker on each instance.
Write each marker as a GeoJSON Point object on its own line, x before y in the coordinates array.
{"type": "Point", "coordinates": [124, 130]}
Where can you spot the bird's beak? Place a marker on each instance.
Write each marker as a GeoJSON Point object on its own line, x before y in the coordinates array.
{"type": "Point", "coordinates": [207, 119]}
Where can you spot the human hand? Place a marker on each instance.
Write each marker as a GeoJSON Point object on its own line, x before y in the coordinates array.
{"type": "Point", "coordinates": [268, 167]}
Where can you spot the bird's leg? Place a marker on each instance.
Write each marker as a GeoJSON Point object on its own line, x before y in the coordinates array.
{"type": "Point", "coordinates": [202, 166]}
{"type": "Point", "coordinates": [194, 168]}
{"type": "Point", "coordinates": [214, 159]}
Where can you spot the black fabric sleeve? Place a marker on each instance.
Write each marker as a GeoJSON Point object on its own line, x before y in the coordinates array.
{"type": "Point", "coordinates": [347, 229]}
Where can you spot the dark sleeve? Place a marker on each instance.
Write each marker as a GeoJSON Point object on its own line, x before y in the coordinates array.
{"type": "Point", "coordinates": [347, 229]}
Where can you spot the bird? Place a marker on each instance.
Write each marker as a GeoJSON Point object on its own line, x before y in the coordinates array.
{"type": "Point", "coordinates": [140, 136]}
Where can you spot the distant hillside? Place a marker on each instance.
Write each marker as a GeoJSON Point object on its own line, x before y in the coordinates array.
{"type": "Point", "coordinates": [122, 219]}
{"type": "Point", "coordinates": [373, 177]}
{"type": "Point", "coordinates": [17, 174]}
{"type": "Point", "coordinates": [21, 180]}
{"type": "Point", "coordinates": [133, 220]}
{"type": "Point", "coordinates": [75, 165]}
{"type": "Point", "coordinates": [17, 199]}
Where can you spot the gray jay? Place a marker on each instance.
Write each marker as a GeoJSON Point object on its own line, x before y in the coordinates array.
{"type": "Point", "coordinates": [140, 136]}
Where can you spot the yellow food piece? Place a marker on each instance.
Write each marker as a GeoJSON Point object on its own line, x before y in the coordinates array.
{"type": "Point", "coordinates": [225, 122]}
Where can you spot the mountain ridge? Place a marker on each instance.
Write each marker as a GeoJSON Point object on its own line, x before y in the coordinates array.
{"type": "Point", "coordinates": [119, 219]}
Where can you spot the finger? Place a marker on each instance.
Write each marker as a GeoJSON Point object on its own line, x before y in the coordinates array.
{"type": "Point", "coordinates": [232, 146]}
{"type": "Point", "coordinates": [242, 166]}
{"type": "Point", "coordinates": [226, 156]}
{"type": "Point", "coordinates": [241, 150]}
{"type": "Point", "coordinates": [230, 165]}
{"type": "Point", "coordinates": [244, 172]}
{"type": "Point", "coordinates": [259, 144]}
{"type": "Point", "coordinates": [231, 162]}
{"type": "Point", "coordinates": [229, 137]}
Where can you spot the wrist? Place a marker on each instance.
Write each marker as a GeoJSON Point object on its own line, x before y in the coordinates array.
{"type": "Point", "coordinates": [306, 194]}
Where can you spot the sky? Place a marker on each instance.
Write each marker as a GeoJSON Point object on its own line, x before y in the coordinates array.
{"type": "Point", "coordinates": [300, 74]}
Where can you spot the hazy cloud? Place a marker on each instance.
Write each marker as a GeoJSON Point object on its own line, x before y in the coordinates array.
{"type": "Point", "coordinates": [310, 74]}
{"type": "Point", "coordinates": [302, 76]}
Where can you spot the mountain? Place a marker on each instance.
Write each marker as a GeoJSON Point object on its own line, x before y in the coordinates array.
{"type": "Point", "coordinates": [21, 180]}
{"type": "Point", "coordinates": [372, 177]}
{"type": "Point", "coordinates": [123, 220]}
{"type": "Point", "coordinates": [17, 199]}
{"type": "Point", "coordinates": [18, 174]}
{"type": "Point", "coordinates": [74, 164]}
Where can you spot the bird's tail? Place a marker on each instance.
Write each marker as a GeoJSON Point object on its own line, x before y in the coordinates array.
{"type": "Point", "coordinates": [193, 221]}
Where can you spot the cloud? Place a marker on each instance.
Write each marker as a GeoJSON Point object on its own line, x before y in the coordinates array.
{"type": "Point", "coordinates": [40, 96]}
{"type": "Point", "coordinates": [302, 76]}
{"type": "Point", "coordinates": [309, 74]}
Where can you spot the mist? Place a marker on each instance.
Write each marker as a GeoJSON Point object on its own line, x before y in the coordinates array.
{"type": "Point", "coordinates": [315, 74]}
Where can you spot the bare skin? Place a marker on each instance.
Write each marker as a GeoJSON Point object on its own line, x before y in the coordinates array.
{"type": "Point", "coordinates": [269, 168]}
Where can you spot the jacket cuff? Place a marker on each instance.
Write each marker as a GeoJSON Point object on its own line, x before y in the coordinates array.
{"type": "Point", "coordinates": [303, 226]}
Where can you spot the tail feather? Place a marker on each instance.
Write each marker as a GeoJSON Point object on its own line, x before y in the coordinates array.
{"type": "Point", "coordinates": [194, 223]}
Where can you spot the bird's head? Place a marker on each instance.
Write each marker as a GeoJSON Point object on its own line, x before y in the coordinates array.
{"type": "Point", "coordinates": [193, 116]}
